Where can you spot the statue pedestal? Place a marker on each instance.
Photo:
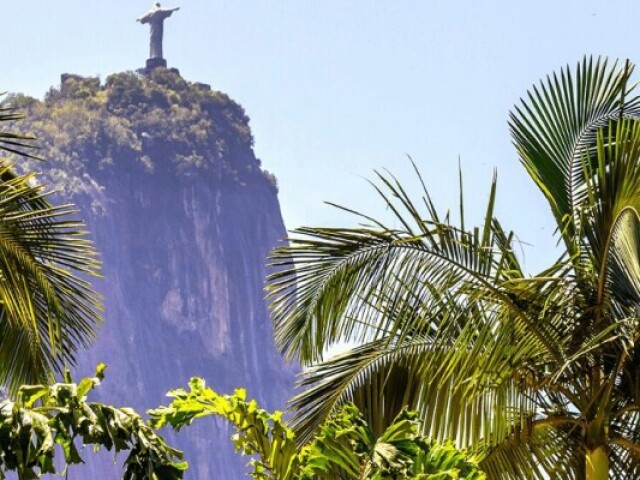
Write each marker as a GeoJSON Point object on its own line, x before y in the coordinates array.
{"type": "Point", "coordinates": [155, 63]}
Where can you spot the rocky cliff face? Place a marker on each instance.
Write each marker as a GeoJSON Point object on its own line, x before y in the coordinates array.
{"type": "Point", "coordinates": [184, 217]}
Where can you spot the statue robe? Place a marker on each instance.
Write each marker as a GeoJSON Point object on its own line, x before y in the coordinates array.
{"type": "Point", "coordinates": [155, 18]}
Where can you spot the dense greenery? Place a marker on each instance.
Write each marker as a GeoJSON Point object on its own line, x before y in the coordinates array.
{"type": "Point", "coordinates": [138, 123]}
{"type": "Point", "coordinates": [45, 418]}
{"type": "Point", "coordinates": [540, 374]}
{"type": "Point", "coordinates": [48, 420]}
{"type": "Point", "coordinates": [345, 447]}
{"type": "Point", "coordinates": [47, 309]}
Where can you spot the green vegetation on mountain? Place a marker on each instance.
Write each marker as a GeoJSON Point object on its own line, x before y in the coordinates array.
{"type": "Point", "coordinates": [138, 123]}
{"type": "Point", "coordinates": [185, 220]}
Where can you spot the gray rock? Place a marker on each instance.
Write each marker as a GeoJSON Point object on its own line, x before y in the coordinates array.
{"type": "Point", "coordinates": [183, 240]}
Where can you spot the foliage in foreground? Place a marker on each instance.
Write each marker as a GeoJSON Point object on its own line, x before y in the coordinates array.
{"type": "Point", "coordinates": [345, 447]}
{"type": "Point", "coordinates": [44, 419]}
{"type": "Point", "coordinates": [540, 372]}
{"type": "Point", "coordinates": [47, 308]}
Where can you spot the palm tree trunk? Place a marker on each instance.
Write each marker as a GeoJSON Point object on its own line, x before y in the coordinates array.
{"type": "Point", "coordinates": [597, 463]}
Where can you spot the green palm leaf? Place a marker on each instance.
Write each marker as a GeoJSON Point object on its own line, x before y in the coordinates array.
{"type": "Point", "coordinates": [540, 374]}
{"type": "Point", "coordinates": [559, 121]}
{"type": "Point", "coordinates": [15, 143]}
{"type": "Point", "coordinates": [48, 309]}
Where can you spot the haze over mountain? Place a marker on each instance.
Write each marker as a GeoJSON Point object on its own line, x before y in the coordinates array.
{"type": "Point", "coordinates": [163, 172]}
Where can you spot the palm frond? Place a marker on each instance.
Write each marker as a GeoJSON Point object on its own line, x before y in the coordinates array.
{"type": "Point", "coordinates": [47, 309]}
{"type": "Point", "coordinates": [334, 285]}
{"type": "Point", "coordinates": [15, 143]}
{"type": "Point", "coordinates": [479, 395]}
{"type": "Point", "coordinates": [539, 372]}
{"type": "Point", "coordinates": [537, 450]}
{"type": "Point", "coordinates": [610, 213]}
{"type": "Point", "coordinates": [559, 121]}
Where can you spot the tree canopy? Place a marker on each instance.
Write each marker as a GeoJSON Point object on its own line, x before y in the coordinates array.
{"type": "Point", "coordinates": [538, 374]}
{"type": "Point", "coordinates": [138, 123]}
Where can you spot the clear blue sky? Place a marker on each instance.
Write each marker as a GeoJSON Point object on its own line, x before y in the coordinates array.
{"type": "Point", "coordinates": [337, 88]}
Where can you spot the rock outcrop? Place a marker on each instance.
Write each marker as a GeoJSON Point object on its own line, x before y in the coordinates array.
{"type": "Point", "coordinates": [164, 174]}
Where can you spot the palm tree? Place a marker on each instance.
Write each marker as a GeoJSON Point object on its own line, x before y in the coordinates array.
{"type": "Point", "coordinates": [48, 309]}
{"type": "Point", "coordinates": [541, 374]}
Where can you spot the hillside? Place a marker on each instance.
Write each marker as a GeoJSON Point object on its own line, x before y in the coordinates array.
{"type": "Point", "coordinates": [164, 174]}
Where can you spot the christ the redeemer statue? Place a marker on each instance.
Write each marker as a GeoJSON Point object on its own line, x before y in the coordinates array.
{"type": "Point", "coordinates": [155, 18]}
